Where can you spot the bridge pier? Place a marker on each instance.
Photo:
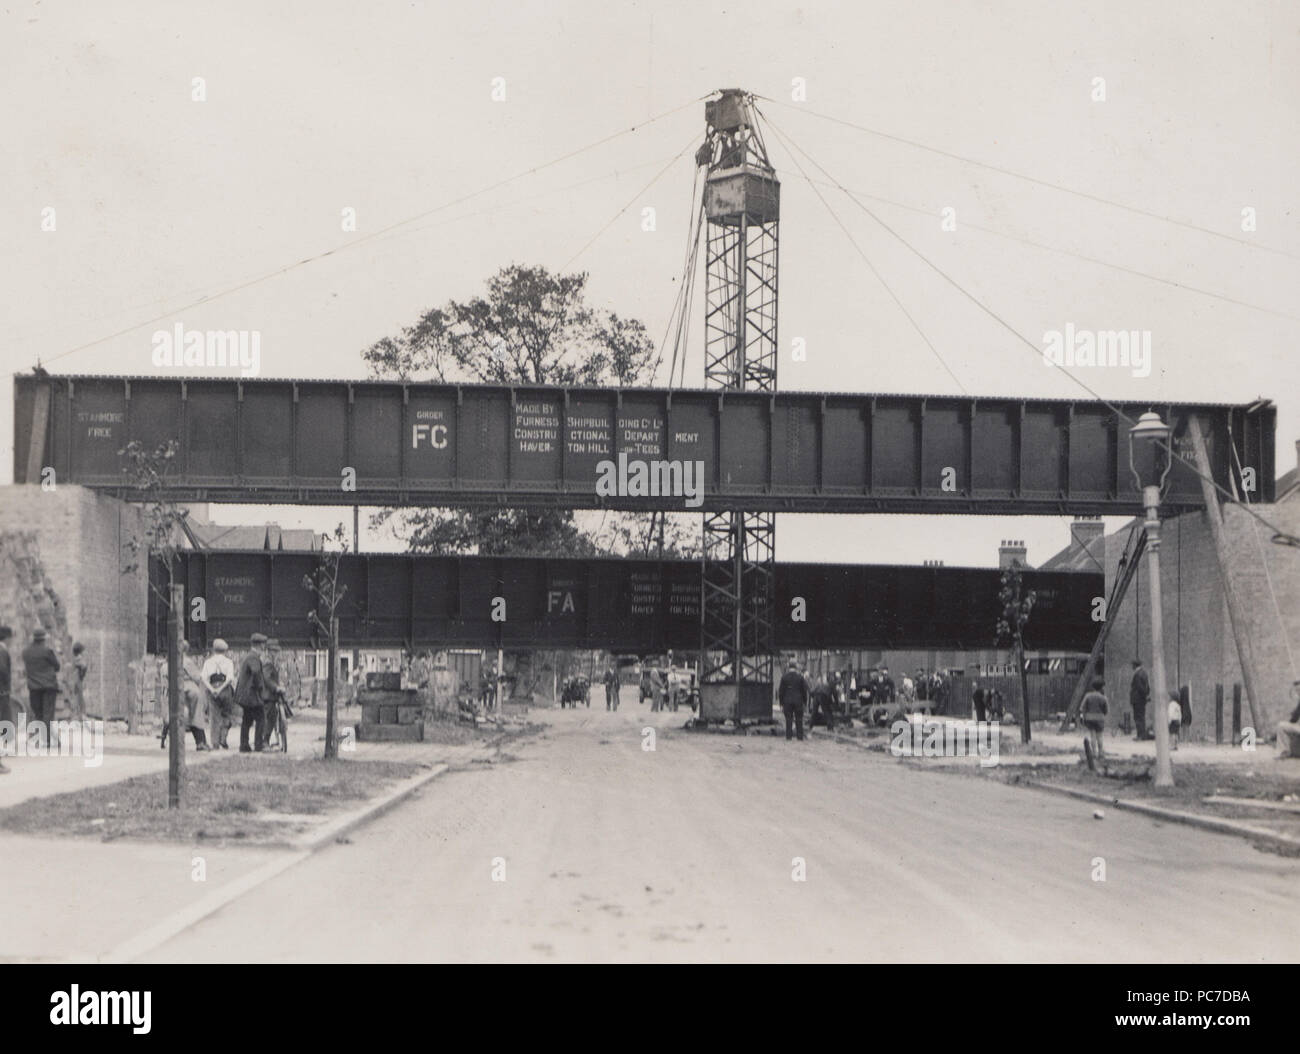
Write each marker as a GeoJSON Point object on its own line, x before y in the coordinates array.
{"type": "Point", "coordinates": [62, 551]}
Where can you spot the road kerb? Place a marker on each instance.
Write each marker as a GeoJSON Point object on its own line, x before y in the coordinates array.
{"type": "Point", "coordinates": [1207, 823]}
{"type": "Point", "coordinates": [300, 850]}
{"type": "Point", "coordinates": [372, 809]}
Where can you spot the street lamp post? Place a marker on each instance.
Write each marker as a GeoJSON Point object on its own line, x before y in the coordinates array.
{"type": "Point", "coordinates": [1153, 434]}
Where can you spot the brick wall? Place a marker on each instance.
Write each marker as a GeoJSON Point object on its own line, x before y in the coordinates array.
{"type": "Point", "coordinates": [1200, 650]}
{"type": "Point", "coordinates": [61, 560]}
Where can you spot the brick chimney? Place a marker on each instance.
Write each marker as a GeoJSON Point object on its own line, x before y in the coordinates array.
{"type": "Point", "coordinates": [1085, 533]}
{"type": "Point", "coordinates": [1012, 551]}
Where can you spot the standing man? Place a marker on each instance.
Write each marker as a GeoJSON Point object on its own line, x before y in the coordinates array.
{"type": "Point", "coordinates": [658, 689]}
{"type": "Point", "coordinates": [793, 695]}
{"type": "Point", "coordinates": [823, 702]}
{"type": "Point", "coordinates": [194, 700]}
{"type": "Point", "coordinates": [6, 685]}
{"type": "Point", "coordinates": [1139, 694]}
{"type": "Point", "coordinates": [980, 698]}
{"type": "Point", "coordinates": [611, 689]}
{"type": "Point", "coordinates": [887, 685]}
{"type": "Point", "coordinates": [195, 714]}
{"type": "Point", "coordinates": [271, 697]}
{"type": "Point", "coordinates": [218, 677]}
{"type": "Point", "coordinates": [249, 693]}
{"type": "Point", "coordinates": [42, 667]}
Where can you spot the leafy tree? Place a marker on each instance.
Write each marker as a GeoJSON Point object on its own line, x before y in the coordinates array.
{"type": "Point", "coordinates": [163, 523]}
{"type": "Point", "coordinates": [163, 520]}
{"type": "Point", "coordinates": [323, 582]}
{"type": "Point", "coordinates": [532, 327]}
{"type": "Point", "coordinates": [1016, 604]}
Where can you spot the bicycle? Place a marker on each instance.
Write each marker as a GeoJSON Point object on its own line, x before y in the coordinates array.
{"type": "Point", "coordinates": [276, 724]}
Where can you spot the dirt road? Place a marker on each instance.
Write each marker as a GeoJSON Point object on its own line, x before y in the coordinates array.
{"type": "Point", "coordinates": [692, 851]}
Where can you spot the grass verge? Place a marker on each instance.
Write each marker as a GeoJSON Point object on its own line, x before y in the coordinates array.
{"type": "Point", "coordinates": [249, 798]}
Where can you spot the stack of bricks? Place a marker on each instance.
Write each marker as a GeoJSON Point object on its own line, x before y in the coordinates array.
{"type": "Point", "coordinates": [389, 712]}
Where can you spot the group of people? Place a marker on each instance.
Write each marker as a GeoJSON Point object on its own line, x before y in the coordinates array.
{"type": "Point", "coordinates": [667, 686]}
{"type": "Point", "coordinates": [41, 668]}
{"type": "Point", "coordinates": [575, 690]}
{"type": "Point", "coordinates": [1095, 707]}
{"type": "Point", "coordinates": [990, 703]}
{"type": "Point", "coordinates": [933, 688]}
{"type": "Point", "coordinates": [1178, 711]}
{"type": "Point", "coordinates": [821, 698]}
{"type": "Point", "coordinates": [212, 692]}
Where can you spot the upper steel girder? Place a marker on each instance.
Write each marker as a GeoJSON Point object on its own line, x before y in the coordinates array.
{"type": "Point", "coordinates": [286, 442]}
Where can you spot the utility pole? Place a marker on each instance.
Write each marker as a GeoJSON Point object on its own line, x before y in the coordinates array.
{"type": "Point", "coordinates": [331, 703]}
{"type": "Point", "coordinates": [1150, 468]}
{"type": "Point", "coordinates": [176, 741]}
{"type": "Point", "coordinates": [1164, 765]}
{"type": "Point", "coordinates": [356, 548]}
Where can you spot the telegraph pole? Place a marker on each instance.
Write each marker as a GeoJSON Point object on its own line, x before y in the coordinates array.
{"type": "Point", "coordinates": [175, 733]}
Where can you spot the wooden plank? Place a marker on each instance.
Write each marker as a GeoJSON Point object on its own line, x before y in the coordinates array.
{"type": "Point", "coordinates": [40, 427]}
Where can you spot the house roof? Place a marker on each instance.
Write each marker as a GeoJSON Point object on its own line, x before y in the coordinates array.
{"type": "Point", "coordinates": [1288, 484]}
{"type": "Point", "coordinates": [1078, 556]}
{"type": "Point", "coordinates": [267, 536]}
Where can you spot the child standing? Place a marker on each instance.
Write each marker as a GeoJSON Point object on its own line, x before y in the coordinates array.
{"type": "Point", "coordinates": [1175, 718]}
{"type": "Point", "coordinates": [1093, 712]}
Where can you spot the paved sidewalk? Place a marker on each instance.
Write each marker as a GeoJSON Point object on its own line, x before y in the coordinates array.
{"type": "Point", "coordinates": [123, 757]}
{"type": "Point", "coordinates": [80, 899]}
{"type": "Point", "coordinates": [1125, 746]}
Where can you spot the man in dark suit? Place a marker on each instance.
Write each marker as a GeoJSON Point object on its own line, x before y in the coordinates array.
{"type": "Point", "coordinates": [250, 692]}
{"type": "Point", "coordinates": [1139, 694]}
{"type": "Point", "coordinates": [42, 668]}
{"type": "Point", "coordinates": [792, 693]}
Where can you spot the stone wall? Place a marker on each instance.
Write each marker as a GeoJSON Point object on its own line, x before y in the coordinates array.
{"type": "Point", "coordinates": [61, 560]}
{"type": "Point", "coordinates": [1200, 650]}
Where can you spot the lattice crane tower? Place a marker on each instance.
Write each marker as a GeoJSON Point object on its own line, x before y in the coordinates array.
{"type": "Point", "coordinates": [742, 209]}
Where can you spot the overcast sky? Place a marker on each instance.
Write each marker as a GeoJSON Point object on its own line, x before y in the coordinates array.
{"type": "Point", "coordinates": [387, 108]}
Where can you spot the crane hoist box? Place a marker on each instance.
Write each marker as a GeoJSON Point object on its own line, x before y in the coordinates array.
{"type": "Point", "coordinates": [730, 194]}
{"type": "Point", "coordinates": [727, 113]}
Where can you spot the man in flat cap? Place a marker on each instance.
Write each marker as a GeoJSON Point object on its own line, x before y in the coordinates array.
{"type": "Point", "coordinates": [42, 668]}
{"type": "Point", "coordinates": [792, 693]}
{"type": "Point", "coordinates": [250, 691]}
